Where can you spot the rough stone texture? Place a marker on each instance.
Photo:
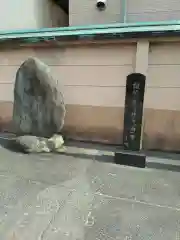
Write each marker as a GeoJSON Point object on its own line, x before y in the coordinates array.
{"type": "Point", "coordinates": [39, 107]}
{"type": "Point", "coordinates": [33, 144]}
{"type": "Point", "coordinates": [61, 197]}
{"type": "Point", "coordinates": [55, 143]}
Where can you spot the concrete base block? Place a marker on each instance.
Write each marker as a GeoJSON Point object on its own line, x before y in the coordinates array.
{"type": "Point", "coordinates": [134, 159]}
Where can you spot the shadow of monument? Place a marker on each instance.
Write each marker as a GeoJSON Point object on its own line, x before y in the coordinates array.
{"type": "Point", "coordinates": [10, 144]}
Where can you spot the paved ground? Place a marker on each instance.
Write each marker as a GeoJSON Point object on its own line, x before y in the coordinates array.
{"type": "Point", "coordinates": [53, 197]}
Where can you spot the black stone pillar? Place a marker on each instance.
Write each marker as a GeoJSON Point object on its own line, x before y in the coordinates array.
{"type": "Point", "coordinates": [133, 114]}
{"type": "Point", "coordinates": [135, 86]}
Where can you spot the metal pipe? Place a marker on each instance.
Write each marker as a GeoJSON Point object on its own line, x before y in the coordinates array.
{"type": "Point", "coordinates": [123, 11]}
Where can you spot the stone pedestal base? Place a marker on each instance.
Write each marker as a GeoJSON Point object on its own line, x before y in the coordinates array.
{"type": "Point", "coordinates": [134, 159]}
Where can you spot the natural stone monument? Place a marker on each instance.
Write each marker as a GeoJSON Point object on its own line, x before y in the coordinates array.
{"type": "Point", "coordinates": [39, 108]}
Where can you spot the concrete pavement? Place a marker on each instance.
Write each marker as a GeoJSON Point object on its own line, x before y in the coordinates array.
{"type": "Point", "coordinates": [52, 197]}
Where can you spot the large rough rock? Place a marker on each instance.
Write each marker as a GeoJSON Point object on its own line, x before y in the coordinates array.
{"type": "Point", "coordinates": [39, 107]}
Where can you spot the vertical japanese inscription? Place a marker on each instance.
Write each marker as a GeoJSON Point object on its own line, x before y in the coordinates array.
{"type": "Point", "coordinates": [135, 86]}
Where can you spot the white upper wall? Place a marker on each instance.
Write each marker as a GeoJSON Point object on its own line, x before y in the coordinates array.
{"type": "Point", "coordinates": [84, 12]}
{"type": "Point", "coordinates": [30, 14]}
{"type": "Point", "coordinates": [152, 10]}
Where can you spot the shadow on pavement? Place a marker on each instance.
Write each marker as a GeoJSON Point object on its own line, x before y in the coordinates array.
{"type": "Point", "coordinates": [11, 145]}
{"type": "Point", "coordinates": [160, 166]}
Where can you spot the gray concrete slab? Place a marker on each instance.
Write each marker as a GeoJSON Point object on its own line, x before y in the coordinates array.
{"type": "Point", "coordinates": [55, 167]}
{"type": "Point", "coordinates": [121, 219]}
{"type": "Point", "coordinates": [52, 197]}
{"type": "Point", "coordinates": [145, 185]}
